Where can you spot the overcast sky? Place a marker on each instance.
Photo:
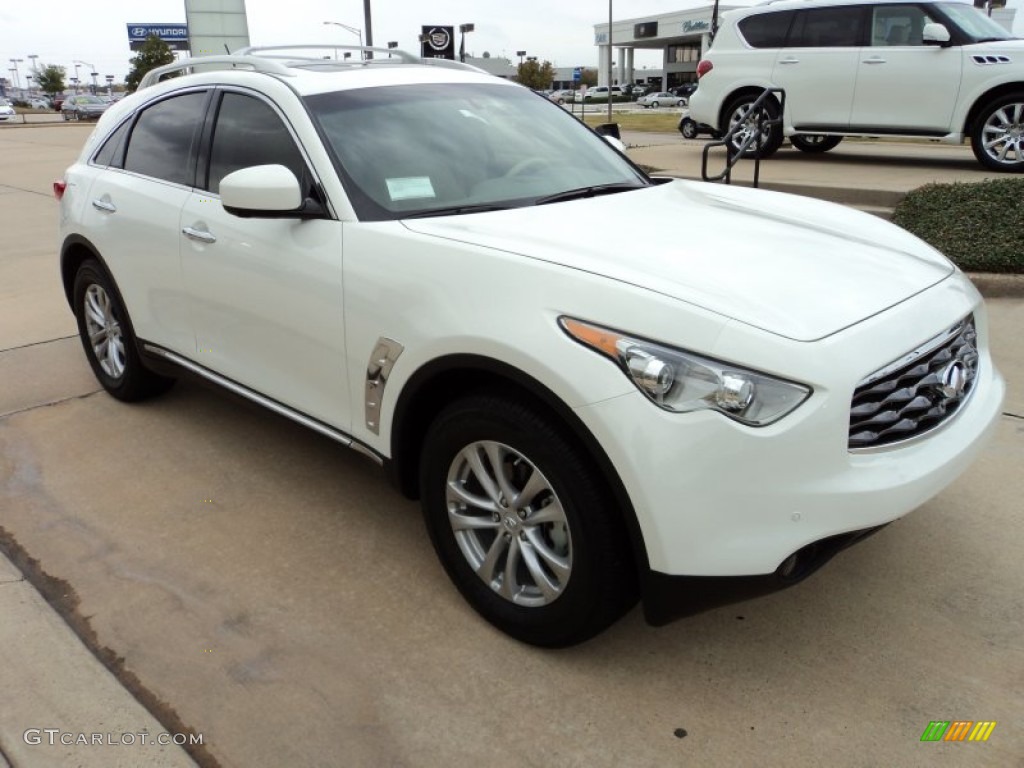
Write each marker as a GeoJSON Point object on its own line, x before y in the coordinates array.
{"type": "Point", "coordinates": [63, 31]}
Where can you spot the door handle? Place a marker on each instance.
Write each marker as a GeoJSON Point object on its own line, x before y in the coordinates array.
{"type": "Point", "coordinates": [200, 235]}
{"type": "Point", "coordinates": [104, 205]}
{"type": "Point", "coordinates": [790, 60]}
{"type": "Point", "coordinates": [874, 60]}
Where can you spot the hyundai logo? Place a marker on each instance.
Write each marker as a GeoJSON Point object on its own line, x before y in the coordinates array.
{"type": "Point", "coordinates": [953, 380]}
{"type": "Point", "coordinates": [138, 31]}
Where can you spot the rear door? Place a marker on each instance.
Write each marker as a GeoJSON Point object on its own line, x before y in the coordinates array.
{"type": "Point", "coordinates": [818, 66]}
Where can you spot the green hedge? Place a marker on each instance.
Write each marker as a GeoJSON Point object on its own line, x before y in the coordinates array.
{"type": "Point", "coordinates": [980, 226]}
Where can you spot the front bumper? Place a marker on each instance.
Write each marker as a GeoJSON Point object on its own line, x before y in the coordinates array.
{"type": "Point", "coordinates": [722, 508]}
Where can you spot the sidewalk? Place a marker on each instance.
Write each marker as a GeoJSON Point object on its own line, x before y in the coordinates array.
{"type": "Point", "coordinates": [59, 705]}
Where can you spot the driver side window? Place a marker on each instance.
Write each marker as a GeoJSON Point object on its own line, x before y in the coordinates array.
{"type": "Point", "coordinates": [249, 132]}
{"type": "Point", "coordinates": [898, 25]}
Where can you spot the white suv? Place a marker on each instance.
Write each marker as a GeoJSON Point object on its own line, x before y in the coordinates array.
{"type": "Point", "coordinates": [936, 70]}
{"type": "Point", "coordinates": [378, 250]}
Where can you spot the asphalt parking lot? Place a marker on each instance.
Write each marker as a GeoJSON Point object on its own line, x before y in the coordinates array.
{"type": "Point", "coordinates": [268, 589]}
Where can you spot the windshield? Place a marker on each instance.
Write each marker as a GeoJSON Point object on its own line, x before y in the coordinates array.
{"type": "Point", "coordinates": [454, 148]}
{"type": "Point", "coordinates": [88, 100]}
{"type": "Point", "coordinates": [973, 23]}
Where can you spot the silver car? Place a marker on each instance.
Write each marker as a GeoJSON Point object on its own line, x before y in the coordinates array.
{"type": "Point", "coordinates": [83, 107]}
{"type": "Point", "coordinates": [659, 98]}
{"type": "Point", "coordinates": [6, 110]}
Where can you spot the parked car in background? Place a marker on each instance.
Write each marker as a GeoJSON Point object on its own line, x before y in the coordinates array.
{"type": "Point", "coordinates": [935, 70]}
{"type": "Point", "coordinates": [686, 90]}
{"type": "Point", "coordinates": [7, 110]}
{"type": "Point", "coordinates": [40, 104]}
{"type": "Point", "coordinates": [588, 415]}
{"type": "Point", "coordinates": [691, 129]}
{"type": "Point", "coordinates": [562, 97]}
{"type": "Point", "coordinates": [83, 107]}
{"type": "Point", "coordinates": [599, 93]}
{"type": "Point", "coordinates": [661, 99]}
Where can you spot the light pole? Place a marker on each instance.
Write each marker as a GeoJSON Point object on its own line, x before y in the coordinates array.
{"type": "Point", "coordinates": [75, 79]}
{"type": "Point", "coordinates": [611, 52]}
{"type": "Point", "coordinates": [520, 54]}
{"type": "Point", "coordinates": [17, 82]}
{"type": "Point", "coordinates": [92, 70]}
{"type": "Point", "coordinates": [110, 82]}
{"type": "Point", "coordinates": [464, 28]}
{"type": "Point", "coordinates": [368, 25]}
{"type": "Point", "coordinates": [357, 32]}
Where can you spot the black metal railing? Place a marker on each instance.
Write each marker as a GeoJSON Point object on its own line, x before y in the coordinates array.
{"type": "Point", "coordinates": [762, 111]}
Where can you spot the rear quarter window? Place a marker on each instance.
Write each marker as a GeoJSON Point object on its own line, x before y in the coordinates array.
{"type": "Point", "coordinates": [766, 30]}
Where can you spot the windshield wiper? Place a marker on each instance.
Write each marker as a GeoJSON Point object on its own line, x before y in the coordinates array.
{"type": "Point", "coordinates": [455, 210]}
{"type": "Point", "coordinates": [593, 191]}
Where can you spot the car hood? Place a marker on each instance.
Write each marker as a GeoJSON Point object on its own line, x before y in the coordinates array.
{"type": "Point", "coordinates": [790, 265]}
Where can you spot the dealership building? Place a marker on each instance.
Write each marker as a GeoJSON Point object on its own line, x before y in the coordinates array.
{"type": "Point", "coordinates": [681, 36]}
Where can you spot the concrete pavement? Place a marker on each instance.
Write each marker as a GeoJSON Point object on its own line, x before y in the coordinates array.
{"type": "Point", "coordinates": [268, 590]}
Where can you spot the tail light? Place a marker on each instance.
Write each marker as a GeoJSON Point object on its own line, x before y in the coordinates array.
{"type": "Point", "coordinates": [704, 67]}
{"type": "Point", "coordinates": [58, 189]}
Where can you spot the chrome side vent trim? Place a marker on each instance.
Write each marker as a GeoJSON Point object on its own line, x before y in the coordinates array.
{"type": "Point", "coordinates": [984, 59]}
{"type": "Point", "coordinates": [382, 360]}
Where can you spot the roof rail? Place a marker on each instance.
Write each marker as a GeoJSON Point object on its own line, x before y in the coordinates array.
{"type": "Point", "coordinates": [276, 60]}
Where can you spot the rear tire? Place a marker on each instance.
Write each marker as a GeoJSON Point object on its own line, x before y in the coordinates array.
{"type": "Point", "coordinates": [689, 128]}
{"type": "Point", "coordinates": [814, 143]}
{"type": "Point", "coordinates": [771, 134]}
{"type": "Point", "coordinates": [997, 137]}
{"type": "Point", "coordinates": [108, 339]}
{"type": "Point", "coordinates": [523, 524]}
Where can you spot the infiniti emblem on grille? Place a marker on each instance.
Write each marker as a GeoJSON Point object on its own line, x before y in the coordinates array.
{"type": "Point", "coordinates": [953, 380]}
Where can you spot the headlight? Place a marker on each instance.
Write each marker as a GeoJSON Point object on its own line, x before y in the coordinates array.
{"type": "Point", "coordinates": [682, 381]}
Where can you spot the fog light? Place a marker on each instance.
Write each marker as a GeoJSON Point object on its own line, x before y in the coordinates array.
{"type": "Point", "coordinates": [735, 393]}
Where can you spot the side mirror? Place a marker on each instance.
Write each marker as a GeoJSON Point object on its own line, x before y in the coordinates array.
{"type": "Point", "coordinates": [266, 191]}
{"type": "Point", "coordinates": [615, 143]}
{"type": "Point", "coordinates": [935, 34]}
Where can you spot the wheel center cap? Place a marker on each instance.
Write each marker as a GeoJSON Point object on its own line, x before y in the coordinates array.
{"type": "Point", "coordinates": [511, 523]}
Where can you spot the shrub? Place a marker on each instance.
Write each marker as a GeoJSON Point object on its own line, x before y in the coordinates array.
{"type": "Point", "coordinates": [977, 225]}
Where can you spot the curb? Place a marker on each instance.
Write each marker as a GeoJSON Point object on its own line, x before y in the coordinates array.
{"type": "Point", "coordinates": [994, 285]}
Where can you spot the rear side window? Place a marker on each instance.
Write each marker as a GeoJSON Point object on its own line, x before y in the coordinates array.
{"type": "Point", "coordinates": [249, 132]}
{"type": "Point", "coordinates": [767, 30]}
{"type": "Point", "coordinates": [112, 152]}
{"type": "Point", "coordinates": [161, 142]}
{"type": "Point", "coordinates": [827, 28]}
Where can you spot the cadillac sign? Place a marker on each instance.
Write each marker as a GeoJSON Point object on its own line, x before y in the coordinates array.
{"type": "Point", "coordinates": [175, 35]}
{"type": "Point", "coordinates": [696, 26]}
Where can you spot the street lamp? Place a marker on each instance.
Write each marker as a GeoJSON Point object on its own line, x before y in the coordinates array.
{"type": "Point", "coordinates": [464, 28]}
{"type": "Point", "coordinates": [520, 54]}
{"type": "Point", "coordinates": [16, 62]}
{"type": "Point", "coordinates": [392, 44]}
{"type": "Point", "coordinates": [110, 82]}
{"type": "Point", "coordinates": [92, 68]}
{"type": "Point", "coordinates": [357, 32]}
{"type": "Point", "coordinates": [75, 78]}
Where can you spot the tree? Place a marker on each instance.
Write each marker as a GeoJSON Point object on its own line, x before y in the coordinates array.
{"type": "Point", "coordinates": [588, 77]}
{"type": "Point", "coordinates": [534, 75]}
{"type": "Point", "coordinates": [50, 79]}
{"type": "Point", "coordinates": [153, 53]}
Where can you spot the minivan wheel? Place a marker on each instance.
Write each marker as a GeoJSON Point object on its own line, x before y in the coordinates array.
{"type": "Point", "coordinates": [107, 337]}
{"type": "Point", "coordinates": [750, 125]}
{"type": "Point", "coordinates": [997, 137]}
{"type": "Point", "coordinates": [814, 143]}
{"type": "Point", "coordinates": [523, 524]}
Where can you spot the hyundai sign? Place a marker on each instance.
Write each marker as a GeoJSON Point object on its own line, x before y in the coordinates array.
{"type": "Point", "coordinates": [175, 35]}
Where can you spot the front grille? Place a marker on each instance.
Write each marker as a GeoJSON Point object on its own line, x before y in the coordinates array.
{"type": "Point", "coordinates": [916, 393]}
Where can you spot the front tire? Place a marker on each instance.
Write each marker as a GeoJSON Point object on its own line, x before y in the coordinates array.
{"type": "Point", "coordinates": [689, 128]}
{"type": "Point", "coordinates": [523, 524]}
{"type": "Point", "coordinates": [814, 143]}
{"type": "Point", "coordinates": [751, 124]}
{"type": "Point", "coordinates": [997, 137]}
{"type": "Point", "coordinates": [107, 337]}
